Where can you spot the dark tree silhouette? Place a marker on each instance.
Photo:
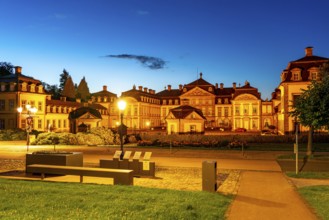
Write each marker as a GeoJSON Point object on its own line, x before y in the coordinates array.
{"type": "Point", "coordinates": [69, 89]}
{"type": "Point", "coordinates": [6, 68]}
{"type": "Point", "coordinates": [63, 77]}
{"type": "Point", "coordinates": [83, 90]}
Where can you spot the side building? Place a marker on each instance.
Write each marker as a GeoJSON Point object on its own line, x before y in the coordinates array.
{"type": "Point", "coordinates": [297, 76]}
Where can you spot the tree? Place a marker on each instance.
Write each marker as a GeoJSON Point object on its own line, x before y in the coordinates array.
{"type": "Point", "coordinates": [53, 90]}
{"type": "Point", "coordinates": [69, 89]}
{"type": "Point", "coordinates": [83, 90]}
{"type": "Point", "coordinates": [6, 68]}
{"type": "Point", "coordinates": [311, 107]}
{"type": "Point", "coordinates": [63, 77]}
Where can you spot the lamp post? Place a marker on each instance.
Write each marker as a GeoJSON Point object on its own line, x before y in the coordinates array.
{"type": "Point", "coordinates": [29, 120]}
{"type": "Point", "coordinates": [121, 105]}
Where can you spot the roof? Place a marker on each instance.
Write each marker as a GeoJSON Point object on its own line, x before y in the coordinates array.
{"type": "Point", "coordinates": [304, 64]}
{"type": "Point", "coordinates": [137, 94]}
{"type": "Point", "coordinates": [54, 102]}
{"type": "Point", "coordinates": [83, 110]}
{"type": "Point", "coordinates": [247, 89]}
{"type": "Point", "coordinates": [104, 93]}
{"type": "Point", "coordinates": [169, 93]}
{"type": "Point", "coordinates": [183, 111]}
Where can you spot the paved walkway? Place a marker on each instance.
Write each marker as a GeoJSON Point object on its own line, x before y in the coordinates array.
{"type": "Point", "coordinates": [266, 196]}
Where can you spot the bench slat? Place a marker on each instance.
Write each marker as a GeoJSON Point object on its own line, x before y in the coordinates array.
{"type": "Point", "coordinates": [124, 177]}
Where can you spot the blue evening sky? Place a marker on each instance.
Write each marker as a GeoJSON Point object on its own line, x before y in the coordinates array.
{"type": "Point", "coordinates": [153, 43]}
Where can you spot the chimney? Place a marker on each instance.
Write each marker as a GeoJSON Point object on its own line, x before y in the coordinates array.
{"type": "Point", "coordinates": [150, 91]}
{"type": "Point", "coordinates": [104, 88]}
{"type": "Point", "coordinates": [180, 86]}
{"type": "Point", "coordinates": [222, 86]}
{"type": "Point", "coordinates": [140, 88]}
{"type": "Point", "coordinates": [18, 70]}
{"type": "Point", "coordinates": [216, 85]}
{"type": "Point", "coordinates": [309, 51]}
{"type": "Point", "coordinates": [234, 85]}
{"type": "Point", "coordinates": [169, 87]}
{"type": "Point", "coordinates": [63, 98]}
{"type": "Point", "coordinates": [145, 89]}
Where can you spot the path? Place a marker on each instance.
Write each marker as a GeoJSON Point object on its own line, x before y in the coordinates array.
{"type": "Point", "coordinates": [266, 196]}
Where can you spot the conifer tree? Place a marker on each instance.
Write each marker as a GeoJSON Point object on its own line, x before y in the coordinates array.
{"type": "Point", "coordinates": [62, 80]}
{"type": "Point", "coordinates": [83, 90]}
{"type": "Point", "coordinates": [69, 90]}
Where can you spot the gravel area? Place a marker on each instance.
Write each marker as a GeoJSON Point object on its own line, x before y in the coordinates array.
{"type": "Point", "coordinates": [177, 178]}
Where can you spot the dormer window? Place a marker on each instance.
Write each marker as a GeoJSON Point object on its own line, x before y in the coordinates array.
{"type": "Point", "coordinates": [296, 74]}
{"type": "Point", "coordinates": [313, 76]}
{"type": "Point", "coordinates": [210, 89]}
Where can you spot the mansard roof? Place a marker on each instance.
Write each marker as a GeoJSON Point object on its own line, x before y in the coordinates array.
{"type": "Point", "coordinates": [138, 93]}
{"type": "Point", "coordinates": [183, 111]}
{"type": "Point", "coordinates": [304, 64]}
{"type": "Point", "coordinates": [169, 93]}
{"type": "Point", "coordinates": [247, 89]}
{"type": "Point", "coordinates": [104, 93]}
{"type": "Point", "coordinates": [71, 104]}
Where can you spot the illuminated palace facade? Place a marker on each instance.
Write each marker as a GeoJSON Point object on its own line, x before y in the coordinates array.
{"type": "Point", "coordinates": [193, 107]}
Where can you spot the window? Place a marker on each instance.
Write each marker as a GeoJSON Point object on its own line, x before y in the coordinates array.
{"type": "Point", "coordinates": [39, 123]}
{"type": "Point", "coordinates": [314, 75]}
{"type": "Point", "coordinates": [254, 110]}
{"type": "Point", "coordinates": [246, 109]}
{"type": "Point", "coordinates": [2, 123]}
{"type": "Point", "coordinates": [237, 110]}
{"type": "Point", "coordinates": [226, 100]}
{"type": "Point", "coordinates": [64, 123]}
{"type": "Point", "coordinates": [59, 124]}
{"type": "Point", "coordinates": [24, 104]}
{"type": "Point", "coordinates": [39, 106]}
{"type": "Point", "coordinates": [294, 98]}
{"type": "Point", "coordinates": [192, 128]}
{"type": "Point", "coordinates": [2, 104]}
{"type": "Point", "coordinates": [295, 76]}
{"type": "Point", "coordinates": [226, 111]}
{"type": "Point", "coordinates": [219, 110]}
{"type": "Point", "coordinates": [11, 104]}
{"type": "Point", "coordinates": [165, 102]}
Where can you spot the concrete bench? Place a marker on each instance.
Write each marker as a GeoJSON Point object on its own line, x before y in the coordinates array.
{"type": "Point", "coordinates": [122, 177]}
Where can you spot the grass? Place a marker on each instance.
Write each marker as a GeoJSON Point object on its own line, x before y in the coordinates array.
{"type": "Point", "coordinates": [318, 197]}
{"type": "Point", "coordinates": [309, 175]}
{"type": "Point", "coordinates": [21, 199]}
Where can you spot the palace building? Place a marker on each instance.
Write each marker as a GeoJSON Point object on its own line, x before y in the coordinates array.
{"type": "Point", "coordinates": [196, 107]}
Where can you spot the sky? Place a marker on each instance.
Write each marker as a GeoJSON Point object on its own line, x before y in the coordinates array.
{"type": "Point", "coordinates": [155, 43]}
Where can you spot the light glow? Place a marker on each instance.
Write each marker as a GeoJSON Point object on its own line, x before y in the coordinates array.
{"type": "Point", "coordinates": [122, 105]}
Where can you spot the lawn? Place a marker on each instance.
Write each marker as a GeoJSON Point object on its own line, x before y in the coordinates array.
{"type": "Point", "coordinates": [309, 175]}
{"type": "Point", "coordinates": [318, 198]}
{"type": "Point", "coordinates": [21, 199]}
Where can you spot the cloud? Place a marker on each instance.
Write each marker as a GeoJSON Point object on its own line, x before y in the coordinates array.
{"type": "Point", "coordinates": [141, 12]}
{"type": "Point", "coordinates": [60, 16]}
{"type": "Point", "coordinates": [153, 63]}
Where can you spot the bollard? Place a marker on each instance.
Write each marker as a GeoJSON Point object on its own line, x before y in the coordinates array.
{"type": "Point", "coordinates": [209, 176]}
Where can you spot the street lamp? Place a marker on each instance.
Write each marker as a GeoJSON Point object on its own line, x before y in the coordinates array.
{"type": "Point", "coordinates": [121, 105]}
{"type": "Point", "coordinates": [29, 120]}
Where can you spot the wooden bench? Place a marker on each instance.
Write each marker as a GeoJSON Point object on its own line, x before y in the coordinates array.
{"type": "Point", "coordinates": [122, 177]}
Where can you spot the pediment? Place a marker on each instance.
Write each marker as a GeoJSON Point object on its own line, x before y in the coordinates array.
{"type": "Point", "coordinates": [88, 116]}
{"type": "Point", "coordinates": [245, 97]}
{"type": "Point", "coordinates": [197, 91]}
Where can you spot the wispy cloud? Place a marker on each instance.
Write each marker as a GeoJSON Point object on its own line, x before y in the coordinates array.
{"type": "Point", "coordinates": [142, 12]}
{"type": "Point", "coordinates": [153, 63]}
{"type": "Point", "coordinates": [60, 16]}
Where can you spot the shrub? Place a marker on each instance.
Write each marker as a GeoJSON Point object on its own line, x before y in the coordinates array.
{"type": "Point", "coordinates": [105, 134]}
{"type": "Point", "coordinates": [12, 135]}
